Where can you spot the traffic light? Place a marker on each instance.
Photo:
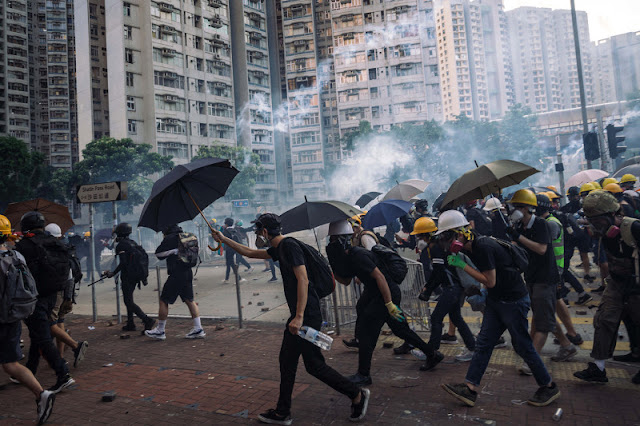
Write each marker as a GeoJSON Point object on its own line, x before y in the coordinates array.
{"type": "Point", "coordinates": [613, 140]}
{"type": "Point", "coordinates": [591, 148]}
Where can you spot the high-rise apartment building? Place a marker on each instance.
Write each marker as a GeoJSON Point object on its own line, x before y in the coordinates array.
{"type": "Point", "coordinates": [37, 97]}
{"type": "Point", "coordinates": [604, 86]}
{"type": "Point", "coordinates": [618, 64]}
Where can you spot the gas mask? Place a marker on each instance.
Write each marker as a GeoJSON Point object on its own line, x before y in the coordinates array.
{"type": "Point", "coordinates": [516, 217]}
{"type": "Point", "coordinates": [422, 244]}
{"type": "Point", "coordinates": [261, 241]}
{"type": "Point", "coordinates": [338, 257]}
{"type": "Point", "coordinates": [610, 231]}
{"type": "Point", "coordinates": [455, 247]}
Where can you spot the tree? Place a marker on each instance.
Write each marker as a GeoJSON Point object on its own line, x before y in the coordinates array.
{"type": "Point", "coordinates": [22, 171]}
{"type": "Point", "coordinates": [247, 162]}
{"type": "Point", "coordinates": [350, 139]}
{"type": "Point", "coordinates": [110, 159]}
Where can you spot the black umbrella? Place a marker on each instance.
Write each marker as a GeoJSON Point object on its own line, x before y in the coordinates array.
{"type": "Point", "coordinates": [437, 204]}
{"type": "Point", "coordinates": [180, 194]}
{"type": "Point", "coordinates": [367, 198]}
{"type": "Point", "coordinates": [311, 214]}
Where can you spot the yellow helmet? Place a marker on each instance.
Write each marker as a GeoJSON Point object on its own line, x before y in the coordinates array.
{"type": "Point", "coordinates": [587, 187]}
{"type": "Point", "coordinates": [607, 181]}
{"type": "Point", "coordinates": [5, 225]}
{"type": "Point", "coordinates": [357, 219]}
{"type": "Point", "coordinates": [524, 196]}
{"type": "Point", "coordinates": [87, 234]}
{"type": "Point", "coordinates": [553, 188]}
{"type": "Point", "coordinates": [596, 185]}
{"type": "Point", "coordinates": [613, 188]}
{"type": "Point", "coordinates": [552, 195]}
{"type": "Point", "coordinates": [424, 225]}
{"type": "Point", "coordinates": [213, 221]}
{"type": "Point", "coordinates": [628, 178]}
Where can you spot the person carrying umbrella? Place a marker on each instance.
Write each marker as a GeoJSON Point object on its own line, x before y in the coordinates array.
{"type": "Point", "coordinates": [304, 306]}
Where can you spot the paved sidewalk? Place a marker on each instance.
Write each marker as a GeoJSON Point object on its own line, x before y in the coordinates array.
{"type": "Point", "coordinates": [232, 375]}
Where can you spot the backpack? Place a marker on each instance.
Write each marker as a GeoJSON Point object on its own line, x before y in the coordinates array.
{"type": "Point", "coordinates": [18, 292]}
{"type": "Point", "coordinates": [137, 266]}
{"type": "Point", "coordinates": [519, 255]}
{"type": "Point", "coordinates": [627, 237]}
{"type": "Point", "coordinates": [51, 266]}
{"type": "Point", "coordinates": [392, 264]}
{"type": "Point", "coordinates": [74, 263]}
{"type": "Point", "coordinates": [188, 249]}
{"type": "Point", "coordinates": [318, 270]}
{"type": "Point", "coordinates": [383, 241]}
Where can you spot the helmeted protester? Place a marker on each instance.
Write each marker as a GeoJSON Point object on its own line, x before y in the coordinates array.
{"type": "Point", "coordinates": [628, 182]}
{"type": "Point", "coordinates": [494, 208]}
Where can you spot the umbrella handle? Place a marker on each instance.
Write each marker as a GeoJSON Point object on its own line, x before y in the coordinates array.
{"type": "Point", "coordinates": [205, 220]}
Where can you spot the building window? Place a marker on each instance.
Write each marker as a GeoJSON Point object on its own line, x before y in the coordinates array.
{"type": "Point", "coordinates": [132, 127]}
{"type": "Point", "coordinates": [128, 32]}
{"type": "Point", "coordinates": [126, 9]}
{"type": "Point", "coordinates": [129, 79]}
{"type": "Point", "coordinates": [128, 56]}
{"type": "Point", "coordinates": [131, 103]}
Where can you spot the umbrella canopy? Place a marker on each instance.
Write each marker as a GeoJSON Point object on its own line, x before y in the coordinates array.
{"type": "Point", "coordinates": [539, 189]}
{"type": "Point", "coordinates": [485, 180]}
{"type": "Point", "coordinates": [586, 176]}
{"type": "Point", "coordinates": [182, 193]}
{"type": "Point", "coordinates": [406, 190]}
{"type": "Point", "coordinates": [633, 169]}
{"type": "Point", "coordinates": [312, 214]}
{"type": "Point", "coordinates": [367, 198]}
{"type": "Point", "coordinates": [52, 212]}
{"type": "Point", "coordinates": [630, 161]}
{"type": "Point", "coordinates": [385, 212]}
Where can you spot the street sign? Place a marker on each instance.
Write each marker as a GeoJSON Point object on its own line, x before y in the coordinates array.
{"type": "Point", "coordinates": [101, 192]}
{"type": "Point", "coordinates": [240, 203]}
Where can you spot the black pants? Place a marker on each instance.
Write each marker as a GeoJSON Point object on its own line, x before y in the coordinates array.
{"type": "Point", "coordinates": [39, 327]}
{"type": "Point", "coordinates": [372, 316]}
{"type": "Point", "coordinates": [128, 288]}
{"type": "Point", "coordinates": [449, 304]}
{"type": "Point", "coordinates": [292, 348]}
{"type": "Point", "coordinates": [240, 260]}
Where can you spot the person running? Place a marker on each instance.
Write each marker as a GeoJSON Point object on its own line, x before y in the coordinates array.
{"type": "Point", "coordinates": [304, 307]}
{"type": "Point", "coordinates": [243, 239]}
{"type": "Point", "coordinates": [129, 263]}
{"type": "Point", "coordinates": [507, 306]}
{"type": "Point", "coordinates": [179, 283]}
{"type": "Point", "coordinates": [10, 352]}
{"type": "Point", "coordinates": [231, 256]}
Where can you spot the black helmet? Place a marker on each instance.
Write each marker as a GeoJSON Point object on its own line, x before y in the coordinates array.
{"type": "Point", "coordinates": [544, 204]}
{"type": "Point", "coordinates": [171, 229]}
{"type": "Point", "coordinates": [122, 229]}
{"type": "Point", "coordinates": [31, 220]}
{"type": "Point", "coordinates": [574, 190]}
{"type": "Point", "coordinates": [422, 205]}
{"type": "Point", "coordinates": [228, 221]}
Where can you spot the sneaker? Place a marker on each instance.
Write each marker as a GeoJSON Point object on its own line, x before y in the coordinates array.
{"type": "Point", "coordinates": [525, 370]}
{"type": "Point", "coordinates": [359, 410]}
{"type": "Point", "coordinates": [627, 358]}
{"type": "Point", "coordinates": [589, 278]}
{"type": "Point", "coordinates": [62, 384]}
{"type": "Point", "coordinates": [155, 334]}
{"type": "Point", "coordinates": [360, 380]}
{"type": "Point", "coordinates": [592, 374]}
{"type": "Point", "coordinates": [225, 282]}
{"type": "Point", "coordinates": [273, 279]}
{"type": "Point", "coordinates": [636, 379]}
{"type": "Point", "coordinates": [351, 344]}
{"type": "Point", "coordinates": [465, 356]}
{"type": "Point", "coordinates": [564, 354]}
{"type": "Point", "coordinates": [273, 418]}
{"type": "Point", "coordinates": [14, 380]}
{"type": "Point", "coordinates": [432, 361]}
{"type": "Point", "coordinates": [249, 270]}
{"type": "Point", "coordinates": [45, 405]}
{"type": "Point", "coordinates": [266, 269]}
{"type": "Point", "coordinates": [576, 340]}
{"type": "Point", "coordinates": [195, 333]}
{"type": "Point", "coordinates": [149, 323]}
{"type": "Point", "coordinates": [403, 349]}
{"type": "Point", "coordinates": [449, 339]}
{"type": "Point", "coordinates": [241, 280]}
{"type": "Point", "coordinates": [462, 392]}
{"type": "Point", "coordinates": [585, 298]}
{"type": "Point", "coordinates": [599, 289]}
{"type": "Point", "coordinates": [545, 395]}
{"type": "Point", "coordinates": [79, 353]}
{"type": "Point", "coordinates": [419, 354]}
{"type": "Point", "coordinates": [501, 343]}
{"type": "Point", "coordinates": [129, 327]}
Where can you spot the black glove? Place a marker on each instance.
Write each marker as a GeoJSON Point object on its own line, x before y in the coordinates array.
{"type": "Point", "coordinates": [512, 233]}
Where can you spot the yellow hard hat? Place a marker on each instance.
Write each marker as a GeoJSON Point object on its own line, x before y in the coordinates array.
{"type": "Point", "coordinates": [524, 196]}
{"type": "Point", "coordinates": [424, 225]}
{"type": "Point", "coordinates": [552, 195]}
{"type": "Point", "coordinates": [5, 225]}
{"type": "Point", "coordinates": [87, 234]}
{"type": "Point", "coordinates": [607, 181]}
{"type": "Point", "coordinates": [613, 188]}
{"type": "Point", "coordinates": [553, 188]}
{"type": "Point", "coordinates": [628, 178]}
{"type": "Point", "coordinates": [587, 187]}
{"type": "Point", "coordinates": [214, 221]}
{"type": "Point", "coordinates": [357, 219]}
{"type": "Point", "coordinates": [596, 185]}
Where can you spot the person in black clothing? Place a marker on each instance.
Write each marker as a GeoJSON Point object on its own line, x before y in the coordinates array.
{"type": "Point", "coordinates": [478, 219]}
{"type": "Point", "coordinates": [38, 323]}
{"type": "Point", "coordinates": [304, 307]}
{"type": "Point", "coordinates": [124, 251]}
{"type": "Point", "coordinates": [579, 239]}
{"type": "Point", "coordinates": [230, 255]}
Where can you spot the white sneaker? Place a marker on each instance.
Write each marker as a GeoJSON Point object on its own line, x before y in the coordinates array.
{"type": "Point", "coordinates": [195, 333]}
{"type": "Point", "coordinates": [465, 356]}
{"type": "Point", "coordinates": [418, 354]}
{"type": "Point", "coordinates": [225, 282]}
{"type": "Point", "coordinates": [45, 405]}
{"type": "Point", "coordinates": [525, 370]}
{"type": "Point", "coordinates": [154, 333]}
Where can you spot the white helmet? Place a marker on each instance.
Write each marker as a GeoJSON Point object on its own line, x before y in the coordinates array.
{"type": "Point", "coordinates": [631, 193]}
{"type": "Point", "coordinates": [451, 219]}
{"type": "Point", "coordinates": [340, 227]}
{"type": "Point", "coordinates": [54, 230]}
{"type": "Point", "coordinates": [492, 204]}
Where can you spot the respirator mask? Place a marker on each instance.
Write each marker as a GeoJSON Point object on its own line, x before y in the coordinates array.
{"type": "Point", "coordinates": [603, 226]}
{"type": "Point", "coordinates": [516, 216]}
{"type": "Point", "coordinates": [422, 244]}
{"type": "Point", "coordinates": [338, 257]}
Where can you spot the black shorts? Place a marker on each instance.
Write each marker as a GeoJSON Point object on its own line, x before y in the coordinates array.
{"type": "Point", "coordinates": [10, 342]}
{"type": "Point", "coordinates": [178, 284]}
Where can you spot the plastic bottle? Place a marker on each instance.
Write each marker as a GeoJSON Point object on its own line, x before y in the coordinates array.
{"type": "Point", "coordinates": [316, 337]}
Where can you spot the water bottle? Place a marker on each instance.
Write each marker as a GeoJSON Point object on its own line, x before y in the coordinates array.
{"type": "Point", "coordinates": [316, 337]}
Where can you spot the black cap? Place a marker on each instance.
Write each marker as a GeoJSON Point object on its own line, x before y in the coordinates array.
{"type": "Point", "coordinates": [574, 190]}
{"type": "Point", "coordinates": [172, 229]}
{"type": "Point", "coordinates": [228, 221]}
{"type": "Point", "coordinates": [269, 221]}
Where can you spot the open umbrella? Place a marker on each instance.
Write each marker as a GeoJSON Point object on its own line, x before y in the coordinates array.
{"type": "Point", "coordinates": [485, 180]}
{"type": "Point", "coordinates": [539, 189]}
{"type": "Point", "coordinates": [385, 212]}
{"type": "Point", "coordinates": [406, 190]}
{"type": "Point", "coordinates": [312, 214]}
{"type": "Point", "coordinates": [367, 198]}
{"type": "Point", "coordinates": [586, 176]}
{"type": "Point", "coordinates": [630, 161]}
{"type": "Point", "coordinates": [52, 212]}
{"type": "Point", "coordinates": [633, 169]}
{"type": "Point", "coordinates": [182, 193]}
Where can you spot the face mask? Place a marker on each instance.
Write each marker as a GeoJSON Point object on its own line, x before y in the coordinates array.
{"type": "Point", "coordinates": [516, 216]}
{"type": "Point", "coordinates": [339, 259]}
{"type": "Point", "coordinates": [612, 232]}
{"type": "Point", "coordinates": [422, 244]}
{"type": "Point", "coordinates": [261, 242]}
{"type": "Point", "coordinates": [455, 247]}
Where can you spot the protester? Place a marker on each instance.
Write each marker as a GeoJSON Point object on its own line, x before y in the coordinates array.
{"type": "Point", "coordinates": [304, 307]}
{"type": "Point", "coordinates": [579, 240]}
{"type": "Point", "coordinates": [495, 209]}
{"type": "Point", "coordinates": [362, 237]}
{"type": "Point", "coordinates": [479, 219]}
{"type": "Point", "coordinates": [230, 255]}
{"type": "Point", "coordinates": [627, 182]}
{"type": "Point", "coordinates": [243, 239]}
{"type": "Point", "coordinates": [180, 260]}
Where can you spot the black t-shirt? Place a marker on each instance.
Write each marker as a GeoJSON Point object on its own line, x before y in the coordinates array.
{"type": "Point", "coordinates": [443, 273]}
{"type": "Point", "coordinates": [499, 226]}
{"type": "Point", "coordinates": [166, 250]}
{"type": "Point", "coordinates": [542, 268]}
{"type": "Point", "coordinates": [616, 247]}
{"type": "Point", "coordinates": [364, 262]}
{"type": "Point", "coordinates": [487, 255]}
{"type": "Point", "coordinates": [291, 255]}
{"type": "Point", "coordinates": [425, 259]}
{"type": "Point", "coordinates": [571, 207]}
{"type": "Point", "coordinates": [481, 221]}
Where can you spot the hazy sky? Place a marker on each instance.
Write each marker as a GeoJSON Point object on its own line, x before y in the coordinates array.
{"type": "Point", "coordinates": [606, 17]}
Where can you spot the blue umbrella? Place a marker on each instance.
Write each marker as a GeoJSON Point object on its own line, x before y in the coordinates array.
{"type": "Point", "coordinates": [385, 212]}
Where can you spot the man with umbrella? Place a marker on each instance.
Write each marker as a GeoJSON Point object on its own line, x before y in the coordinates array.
{"type": "Point", "coordinates": [304, 307]}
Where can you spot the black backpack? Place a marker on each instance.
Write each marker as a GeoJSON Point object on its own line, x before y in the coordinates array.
{"type": "Point", "coordinates": [391, 263]}
{"type": "Point", "coordinates": [382, 240]}
{"type": "Point", "coordinates": [318, 270]}
{"type": "Point", "coordinates": [18, 293]}
{"type": "Point", "coordinates": [138, 264]}
{"type": "Point", "coordinates": [51, 266]}
{"type": "Point", "coordinates": [519, 255]}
